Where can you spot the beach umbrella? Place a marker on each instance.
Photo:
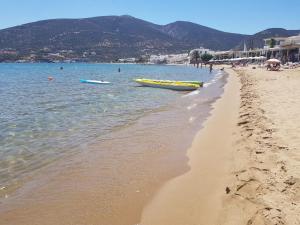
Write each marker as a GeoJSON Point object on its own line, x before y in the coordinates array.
{"type": "Point", "coordinates": [271, 61]}
{"type": "Point", "coordinates": [261, 58]}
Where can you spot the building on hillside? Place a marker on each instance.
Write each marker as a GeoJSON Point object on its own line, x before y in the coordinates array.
{"type": "Point", "coordinates": [169, 59]}
{"type": "Point", "coordinates": [8, 52]}
{"type": "Point", "coordinates": [127, 60]}
{"type": "Point", "coordinates": [203, 51]}
{"type": "Point", "coordinates": [273, 42]}
{"type": "Point", "coordinates": [286, 49]}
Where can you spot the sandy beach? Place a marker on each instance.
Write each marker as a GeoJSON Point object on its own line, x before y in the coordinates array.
{"type": "Point", "coordinates": [265, 187]}
{"type": "Point", "coordinates": [149, 113]}
{"type": "Point", "coordinates": [244, 164]}
{"type": "Point", "coordinates": [99, 183]}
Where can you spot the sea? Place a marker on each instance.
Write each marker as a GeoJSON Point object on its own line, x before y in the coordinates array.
{"type": "Point", "coordinates": [114, 138]}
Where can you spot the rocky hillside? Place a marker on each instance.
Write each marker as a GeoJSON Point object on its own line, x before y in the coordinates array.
{"type": "Point", "coordinates": [108, 38]}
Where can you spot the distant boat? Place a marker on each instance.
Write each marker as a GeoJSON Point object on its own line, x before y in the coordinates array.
{"type": "Point", "coordinates": [94, 81]}
{"type": "Point", "coordinates": [171, 84]}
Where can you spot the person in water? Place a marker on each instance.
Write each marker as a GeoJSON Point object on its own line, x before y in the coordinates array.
{"type": "Point", "coordinates": [210, 67]}
{"type": "Point", "coordinates": [119, 70]}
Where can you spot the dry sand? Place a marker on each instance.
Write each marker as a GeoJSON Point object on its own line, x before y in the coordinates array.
{"type": "Point", "coordinates": [245, 163]}
{"type": "Point", "coordinates": [266, 165]}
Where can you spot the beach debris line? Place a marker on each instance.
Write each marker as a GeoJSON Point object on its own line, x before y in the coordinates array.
{"type": "Point", "coordinates": [170, 84]}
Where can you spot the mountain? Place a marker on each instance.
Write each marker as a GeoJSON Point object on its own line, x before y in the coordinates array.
{"type": "Point", "coordinates": [197, 35]}
{"type": "Point", "coordinates": [257, 40]}
{"type": "Point", "coordinates": [108, 38]}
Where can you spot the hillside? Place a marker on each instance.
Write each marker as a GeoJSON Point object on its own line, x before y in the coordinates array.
{"type": "Point", "coordinates": [257, 40]}
{"type": "Point", "coordinates": [108, 38]}
{"type": "Point", "coordinates": [198, 35]}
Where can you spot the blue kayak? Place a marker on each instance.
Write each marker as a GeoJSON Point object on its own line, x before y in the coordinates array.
{"type": "Point", "coordinates": [94, 81]}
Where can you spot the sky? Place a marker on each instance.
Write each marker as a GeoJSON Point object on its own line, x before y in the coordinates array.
{"type": "Point", "coordinates": [237, 16]}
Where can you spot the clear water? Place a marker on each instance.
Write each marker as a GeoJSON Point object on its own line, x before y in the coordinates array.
{"type": "Point", "coordinates": [41, 120]}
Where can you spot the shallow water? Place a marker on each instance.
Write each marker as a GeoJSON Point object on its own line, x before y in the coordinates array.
{"type": "Point", "coordinates": [42, 121]}
{"type": "Point", "coordinates": [88, 165]}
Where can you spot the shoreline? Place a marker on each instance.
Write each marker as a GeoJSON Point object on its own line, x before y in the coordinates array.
{"type": "Point", "coordinates": [80, 192]}
{"type": "Point", "coordinates": [244, 164]}
{"type": "Point", "coordinates": [195, 197]}
{"type": "Point", "coordinates": [6, 187]}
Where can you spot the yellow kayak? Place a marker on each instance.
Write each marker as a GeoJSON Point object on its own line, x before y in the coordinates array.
{"type": "Point", "coordinates": [169, 84]}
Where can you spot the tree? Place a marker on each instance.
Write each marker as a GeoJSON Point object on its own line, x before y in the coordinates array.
{"type": "Point", "coordinates": [206, 57]}
{"type": "Point", "coordinates": [272, 43]}
{"type": "Point", "coordinates": [142, 59]}
{"type": "Point", "coordinates": [195, 57]}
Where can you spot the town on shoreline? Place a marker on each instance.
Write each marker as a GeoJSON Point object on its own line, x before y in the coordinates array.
{"type": "Point", "coordinates": [285, 49]}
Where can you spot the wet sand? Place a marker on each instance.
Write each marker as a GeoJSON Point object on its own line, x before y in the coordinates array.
{"type": "Point", "coordinates": [195, 197]}
{"type": "Point", "coordinates": [109, 184]}
{"type": "Point", "coordinates": [245, 163]}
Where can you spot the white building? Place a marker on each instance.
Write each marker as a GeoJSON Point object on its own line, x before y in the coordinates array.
{"type": "Point", "coordinates": [169, 59]}
{"type": "Point", "coordinates": [276, 44]}
{"type": "Point", "coordinates": [127, 60]}
{"type": "Point", "coordinates": [291, 41]}
{"type": "Point", "coordinates": [286, 49]}
{"type": "Point", "coordinates": [203, 51]}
